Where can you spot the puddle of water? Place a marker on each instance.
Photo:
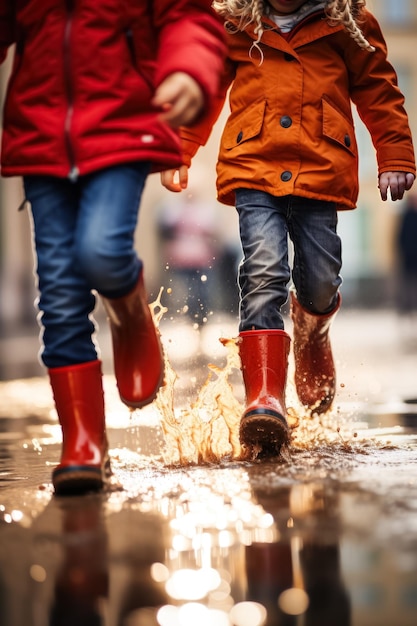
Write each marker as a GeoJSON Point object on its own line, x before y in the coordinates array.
{"type": "Point", "coordinates": [162, 437]}
{"type": "Point", "coordinates": [215, 538]}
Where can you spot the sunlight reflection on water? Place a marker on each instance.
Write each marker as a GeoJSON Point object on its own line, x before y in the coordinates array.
{"type": "Point", "coordinates": [345, 480]}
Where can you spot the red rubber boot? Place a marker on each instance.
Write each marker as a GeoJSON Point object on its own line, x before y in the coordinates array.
{"type": "Point", "coordinates": [79, 401]}
{"type": "Point", "coordinates": [264, 358]}
{"type": "Point", "coordinates": [138, 359]}
{"type": "Point", "coordinates": [315, 375]}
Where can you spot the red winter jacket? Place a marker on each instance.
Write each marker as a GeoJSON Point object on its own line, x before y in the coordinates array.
{"type": "Point", "coordinates": [84, 72]}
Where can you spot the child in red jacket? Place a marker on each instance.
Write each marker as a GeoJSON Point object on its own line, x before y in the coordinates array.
{"type": "Point", "coordinates": [288, 161]}
{"type": "Point", "coordinates": [96, 93]}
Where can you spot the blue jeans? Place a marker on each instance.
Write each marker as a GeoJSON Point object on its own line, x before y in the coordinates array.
{"type": "Point", "coordinates": [265, 223]}
{"type": "Point", "coordinates": [84, 241]}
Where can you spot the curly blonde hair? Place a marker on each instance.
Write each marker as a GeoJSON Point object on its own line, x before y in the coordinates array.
{"type": "Point", "coordinates": [346, 12]}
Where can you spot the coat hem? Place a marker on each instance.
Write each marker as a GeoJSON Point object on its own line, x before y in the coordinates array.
{"type": "Point", "coordinates": [227, 196]}
{"type": "Point", "coordinates": [160, 161]}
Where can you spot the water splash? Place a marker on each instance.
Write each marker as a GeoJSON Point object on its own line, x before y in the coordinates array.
{"type": "Point", "coordinates": [207, 431]}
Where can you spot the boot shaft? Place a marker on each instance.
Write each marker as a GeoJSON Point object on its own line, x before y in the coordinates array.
{"type": "Point", "coordinates": [137, 351]}
{"type": "Point", "coordinates": [310, 326]}
{"type": "Point", "coordinates": [264, 359]}
{"type": "Point", "coordinates": [78, 394]}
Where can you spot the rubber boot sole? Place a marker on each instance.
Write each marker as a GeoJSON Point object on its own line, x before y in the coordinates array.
{"type": "Point", "coordinates": [80, 479]}
{"type": "Point", "coordinates": [264, 432]}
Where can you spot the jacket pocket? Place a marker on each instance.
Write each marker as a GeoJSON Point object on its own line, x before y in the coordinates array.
{"type": "Point", "coordinates": [244, 126]}
{"type": "Point", "coordinates": [338, 128]}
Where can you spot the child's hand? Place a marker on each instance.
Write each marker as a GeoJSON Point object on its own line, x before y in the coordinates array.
{"type": "Point", "coordinates": [181, 99]}
{"type": "Point", "coordinates": [397, 182]}
{"type": "Point", "coordinates": [168, 179]}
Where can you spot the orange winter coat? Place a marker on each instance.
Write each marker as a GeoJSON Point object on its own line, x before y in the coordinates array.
{"type": "Point", "coordinates": [291, 129]}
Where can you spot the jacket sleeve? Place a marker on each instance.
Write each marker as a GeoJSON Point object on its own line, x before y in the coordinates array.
{"type": "Point", "coordinates": [379, 101]}
{"type": "Point", "coordinates": [191, 40]}
{"type": "Point", "coordinates": [6, 28]}
{"type": "Point", "coordinates": [198, 134]}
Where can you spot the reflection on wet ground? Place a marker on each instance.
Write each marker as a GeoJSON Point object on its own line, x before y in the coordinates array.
{"type": "Point", "coordinates": [326, 536]}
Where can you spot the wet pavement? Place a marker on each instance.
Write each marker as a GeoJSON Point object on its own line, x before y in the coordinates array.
{"type": "Point", "coordinates": [187, 533]}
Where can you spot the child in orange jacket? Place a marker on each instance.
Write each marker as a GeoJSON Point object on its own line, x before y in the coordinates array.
{"type": "Point", "coordinates": [288, 161]}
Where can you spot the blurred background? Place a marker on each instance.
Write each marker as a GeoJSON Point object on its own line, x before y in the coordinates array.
{"type": "Point", "coordinates": [199, 277]}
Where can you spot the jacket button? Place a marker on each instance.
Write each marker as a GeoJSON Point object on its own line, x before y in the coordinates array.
{"type": "Point", "coordinates": [285, 121]}
{"type": "Point", "coordinates": [347, 141]}
{"type": "Point", "coordinates": [288, 57]}
{"type": "Point", "coordinates": [286, 176]}
{"type": "Point", "coordinates": [239, 137]}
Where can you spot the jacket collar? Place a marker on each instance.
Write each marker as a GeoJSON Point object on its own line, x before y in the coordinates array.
{"type": "Point", "coordinates": [298, 37]}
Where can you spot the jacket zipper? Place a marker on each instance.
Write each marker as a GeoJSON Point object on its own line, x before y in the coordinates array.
{"type": "Point", "coordinates": [73, 171]}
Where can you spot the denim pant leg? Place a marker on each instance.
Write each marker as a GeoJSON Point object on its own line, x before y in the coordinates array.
{"type": "Point", "coordinates": [317, 263]}
{"type": "Point", "coordinates": [65, 298]}
{"type": "Point", "coordinates": [84, 240]}
{"type": "Point", "coordinates": [105, 230]}
{"type": "Point", "coordinates": [264, 272]}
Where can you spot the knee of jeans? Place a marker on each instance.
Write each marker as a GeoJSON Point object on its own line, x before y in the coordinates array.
{"type": "Point", "coordinates": [319, 304]}
{"type": "Point", "coordinates": [109, 275]}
